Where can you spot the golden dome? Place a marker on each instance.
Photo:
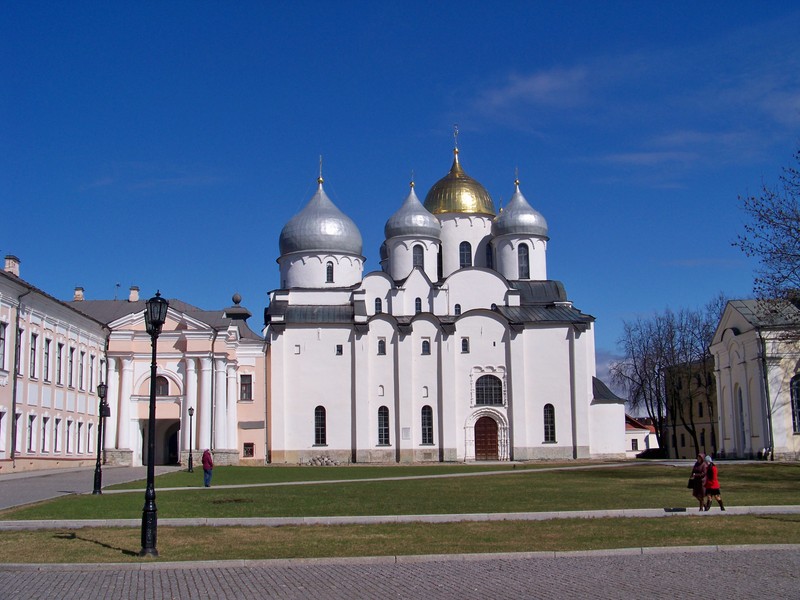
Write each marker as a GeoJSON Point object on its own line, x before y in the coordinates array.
{"type": "Point", "coordinates": [457, 192]}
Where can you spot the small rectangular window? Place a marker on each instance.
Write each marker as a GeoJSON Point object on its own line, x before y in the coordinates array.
{"type": "Point", "coordinates": [339, 350]}
{"type": "Point", "coordinates": [59, 359]}
{"type": "Point", "coordinates": [32, 363]}
{"type": "Point", "coordinates": [3, 330]}
{"type": "Point", "coordinates": [246, 387]}
{"type": "Point", "coordinates": [634, 444]}
{"type": "Point", "coordinates": [699, 409]}
{"type": "Point", "coordinates": [46, 366]}
{"type": "Point", "coordinates": [248, 450]}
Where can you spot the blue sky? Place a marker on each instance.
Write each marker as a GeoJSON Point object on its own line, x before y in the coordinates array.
{"type": "Point", "coordinates": [165, 144]}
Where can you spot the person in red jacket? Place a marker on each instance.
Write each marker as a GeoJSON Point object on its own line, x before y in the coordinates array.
{"type": "Point", "coordinates": [208, 465]}
{"type": "Point", "coordinates": [712, 485]}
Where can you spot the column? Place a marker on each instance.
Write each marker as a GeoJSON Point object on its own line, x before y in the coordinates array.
{"type": "Point", "coordinates": [220, 408]}
{"type": "Point", "coordinates": [190, 400]}
{"type": "Point", "coordinates": [232, 396]}
{"type": "Point", "coordinates": [203, 414]}
{"type": "Point", "coordinates": [126, 388]}
{"type": "Point", "coordinates": [113, 400]}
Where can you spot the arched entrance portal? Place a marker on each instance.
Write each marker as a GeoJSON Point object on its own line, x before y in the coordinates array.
{"type": "Point", "coordinates": [486, 439]}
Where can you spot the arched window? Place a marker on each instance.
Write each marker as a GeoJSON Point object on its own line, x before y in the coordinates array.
{"type": "Point", "coordinates": [329, 273]}
{"type": "Point", "coordinates": [489, 390]}
{"type": "Point", "coordinates": [796, 403]}
{"type": "Point", "coordinates": [381, 346]}
{"type": "Point", "coordinates": [320, 427]}
{"type": "Point", "coordinates": [524, 261]}
{"type": "Point", "coordinates": [489, 257]}
{"type": "Point", "coordinates": [378, 306]}
{"type": "Point", "coordinates": [464, 255]}
{"type": "Point", "coordinates": [418, 257]}
{"type": "Point", "coordinates": [383, 426]}
{"type": "Point", "coordinates": [426, 346]}
{"type": "Point", "coordinates": [457, 309]}
{"type": "Point", "coordinates": [427, 425]}
{"type": "Point", "coordinates": [549, 424]}
{"type": "Point", "coordinates": [464, 345]}
{"type": "Point", "coordinates": [162, 386]}
{"type": "Point", "coordinates": [418, 305]}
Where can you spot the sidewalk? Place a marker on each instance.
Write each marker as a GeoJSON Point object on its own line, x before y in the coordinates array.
{"type": "Point", "coordinates": [638, 513]}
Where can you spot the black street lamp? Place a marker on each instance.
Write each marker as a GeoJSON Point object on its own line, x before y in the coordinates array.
{"type": "Point", "coordinates": [155, 314]}
{"type": "Point", "coordinates": [191, 414]}
{"type": "Point", "coordinates": [102, 413]}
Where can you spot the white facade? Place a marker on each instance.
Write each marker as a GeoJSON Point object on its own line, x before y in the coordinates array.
{"type": "Point", "coordinates": [757, 362]}
{"type": "Point", "coordinates": [454, 351]}
{"type": "Point", "coordinates": [51, 360]}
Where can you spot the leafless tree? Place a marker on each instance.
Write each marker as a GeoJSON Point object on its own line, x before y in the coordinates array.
{"type": "Point", "coordinates": [661, 356]}
{"type": "Point", "coordinates": [772, 236]}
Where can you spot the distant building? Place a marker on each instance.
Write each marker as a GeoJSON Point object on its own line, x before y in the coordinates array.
{"type": "Point", "coordinates": [51, 359]}
{"type": "Point", "coordinates": [639, 436]}
{"type": "Point", "coordinates": [756, 350]}
{"type": "Point", "coordinates": [691, 419]}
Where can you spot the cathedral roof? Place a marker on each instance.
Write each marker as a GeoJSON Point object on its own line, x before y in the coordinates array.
{"type": "Point", "coordinates": [519, 217]}
{"type": "Point", "coordinates": [320, 227]}
{"type": "Point", "coordinates": [412, 219]}
{"type": "Point", "coordinates": [457, 192]}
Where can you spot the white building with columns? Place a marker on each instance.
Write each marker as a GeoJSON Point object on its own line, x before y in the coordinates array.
{"type": "Point", "coordinates": [756, 351]}
{"type": "Point", "coordinates": [208, 361]}
{"type": "Point", "coordinates": [459, 348]}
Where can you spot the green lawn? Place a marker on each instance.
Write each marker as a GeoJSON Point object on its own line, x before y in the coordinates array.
{"type": "Point", "coordinates": [520, 490]}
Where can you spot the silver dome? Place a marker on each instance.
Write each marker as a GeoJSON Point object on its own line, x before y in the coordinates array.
{"type": "Point", "coordinates": [520, 218]}
{"type": "Point", "coordinates": [320, 227]}
{"type": "Point", "coordinates": [412, 219]}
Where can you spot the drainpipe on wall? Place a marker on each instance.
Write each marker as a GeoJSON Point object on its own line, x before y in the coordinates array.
{"type": "Point", "coordinates": [766, 391]}
{"type": "Point", "coordinates": [15, 382]}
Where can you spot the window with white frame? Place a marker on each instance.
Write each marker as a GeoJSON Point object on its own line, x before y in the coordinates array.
{"type": "Point", "coordinates": [427, 424]}
{"type": "Point", "coordinates": [464, 345]}
{"type": "Point", "coordinates": [18, 355]}
{"type": "Point", "coordinates": [81, 369]}
{"type": "Point", "coordinates": [383, 426]}
{"type": "Point", "coordinates": [3, 333]}
{"type": "Point", "coordinates": [378, 306]}
{"type": "Point", "coordinates": [71, 367]}
{"type": "Point", "coordinates": [523, 257]}
{"type": "Point", "coordinates": [329, 273]}
{"type": "Point", "coordinates": [46, 359]}
{"type": "Point", "coordinates": [31, 433]}
{"type": "Point", "coordinates": [549, 424]}
{"type": "Point", "coordinates": [45, 428]}
{"type": "Point", "coordinates": [464, 255]}
{"type": "Point", "coordinates": [18, 432]}
{"type": "Point", "coordinates": [80, 437]}
{"type": "Point", "coordinates": [245, 387]}
{"type": "Point", "coordinates": [59, 364]}
{"type": "Point", "coordinates": [488, 391]}
{"type": "Point", "coordinates": [426, 346]}
{"type": "Point", "coordinates": [381, 346]}
{"type": "Point", "coordinates": [56, 435]}
{"type": "Point", "coordinates": [91, 372]}
{"type": "Point", "coordinates": [32, 361]}
{"type": "Point", "coordinates": [418, 256]}
{"type": "Point", "coordinates": [68, 436]}
{"type": "Point", "coordinates": [320, 427]}
{"type": "Point", "coordinates": [418, 305]}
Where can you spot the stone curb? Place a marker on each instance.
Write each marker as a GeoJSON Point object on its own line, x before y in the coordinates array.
{"type": "Point", "coordinates": [410, 559]}
{"type": "Point", "coordinates": [641, 513]}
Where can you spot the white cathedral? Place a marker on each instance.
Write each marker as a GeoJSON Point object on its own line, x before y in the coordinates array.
{"type": "Point", "coordinates": [460, 348]}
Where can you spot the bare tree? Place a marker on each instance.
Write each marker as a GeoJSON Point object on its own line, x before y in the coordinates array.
{"type": "Point", "coordinates": [666, 359]}
{"type": "Point", "coordinates": [773, 236]}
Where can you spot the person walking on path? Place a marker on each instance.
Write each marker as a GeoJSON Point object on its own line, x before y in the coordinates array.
{"type": "Point", "coordinates": [208, 466]}
{"type": "Point", "coordinates": [712, 485]}
{"type": "Point", "coordinates": [698, 480]}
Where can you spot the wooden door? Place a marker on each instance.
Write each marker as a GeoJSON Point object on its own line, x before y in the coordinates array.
{"type": "Point", "coordinates": [486, 439]}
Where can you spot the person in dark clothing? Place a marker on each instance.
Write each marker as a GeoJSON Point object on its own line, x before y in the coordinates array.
{"type": "Point", "coordinates": [698, 479]}
{"type": "Point", "coordinates": [208, 466]}
{"type": "Point", "coordinates": [712, 485]}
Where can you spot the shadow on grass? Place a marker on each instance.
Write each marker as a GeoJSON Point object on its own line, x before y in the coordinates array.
{"type": "Point", "coordinates": [74, 536]}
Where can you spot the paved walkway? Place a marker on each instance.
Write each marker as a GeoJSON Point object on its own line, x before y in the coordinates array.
{"type": "Point", "coordinates": [686, 573]}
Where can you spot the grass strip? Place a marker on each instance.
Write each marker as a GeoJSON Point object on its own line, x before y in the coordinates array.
{"type": "Point", "coordinates": [655, 486]}
{"type": "Point", "coordinates": [255, 543]}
